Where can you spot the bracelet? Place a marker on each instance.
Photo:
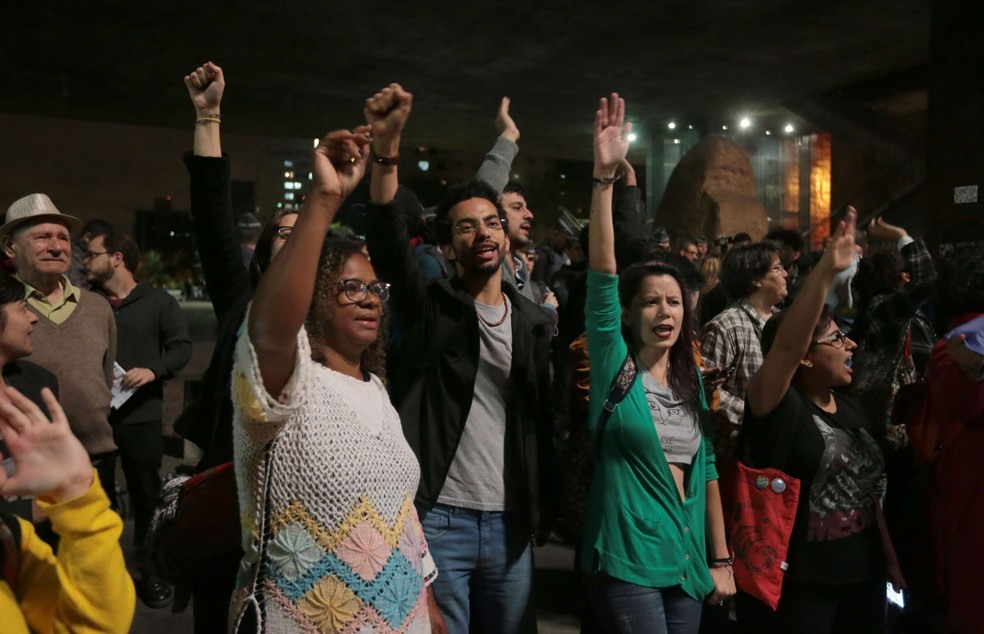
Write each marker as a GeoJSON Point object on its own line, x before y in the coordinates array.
{"type": "Point", "coordinates": [386, 160]}
{"type": "Point", "coordinates": [209, 119]}
{"type": "Point", "coordinates": [597, 181]}
{"type": "Point", "coordinates": [722, 562]}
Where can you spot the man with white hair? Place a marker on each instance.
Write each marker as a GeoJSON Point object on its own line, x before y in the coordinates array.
{"type": "Point", "coordinates": [75, 335]}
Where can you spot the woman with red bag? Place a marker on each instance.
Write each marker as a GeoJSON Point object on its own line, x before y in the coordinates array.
{"type": "Point", "coordinates": [835, 580]}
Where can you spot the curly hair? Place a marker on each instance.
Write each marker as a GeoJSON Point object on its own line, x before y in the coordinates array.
{"type": "Point", "coordinates": [460, 193]}
{"type": "Point", "coordinates": [682, 374]}
{"type": "Point", "coordinates": [878, 274]}
{"type": "Point", "coordinates": [335, 252]}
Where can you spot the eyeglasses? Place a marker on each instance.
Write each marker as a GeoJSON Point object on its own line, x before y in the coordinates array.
{"type": "Point", "coordinates": [468, 227]}
{"type": "Point", "coordinates": [836, 340]}
{"type": "Point", "coordinates": [778, 268]}
{"type": "Point", "coordinates": [284, 231]}
{"type": "Point", "coordinates": [88, 255]}
{"type": "Point", "coordinates": [357, 290]}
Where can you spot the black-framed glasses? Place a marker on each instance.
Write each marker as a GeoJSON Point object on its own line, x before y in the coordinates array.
{"type": "Point", "coordinates": [284, 231]}
{"type": "Point", "coordinates": [468, 227]}
{"type": "Point", "coordinates": [357, 290]}
{"type": "Point", "coordinates": [88, 255]}
{"type": "Point", "coordinates": [837, 340]}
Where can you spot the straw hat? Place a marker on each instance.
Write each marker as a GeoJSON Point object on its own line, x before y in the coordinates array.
{"type": "Point", "coordinates": [33, 209]}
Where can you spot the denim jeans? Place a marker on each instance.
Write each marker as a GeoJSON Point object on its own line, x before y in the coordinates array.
{"type": "Point", "coordinates": [484, 568]}
{"type": "Point", "coordinates": [625, 607]}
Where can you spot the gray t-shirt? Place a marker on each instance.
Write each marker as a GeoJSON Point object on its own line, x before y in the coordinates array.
{"type": "Point", "coordinates": [679, 434]}
{"type": "Point", "coordinates": [479, 478]}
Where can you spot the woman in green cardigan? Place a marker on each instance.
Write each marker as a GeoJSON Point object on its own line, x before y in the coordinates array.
{"type": "Point", "coordinates": [653, 545]}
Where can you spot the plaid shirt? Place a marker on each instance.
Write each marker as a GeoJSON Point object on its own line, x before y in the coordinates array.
{"type": "Point", "coordinates": [736, 332]}
{"type": "Point", "coordinates": [887, 315]}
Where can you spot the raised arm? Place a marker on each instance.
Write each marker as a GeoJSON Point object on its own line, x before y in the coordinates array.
{"type": "Point", "coordinates": [630, 228]}
{"type": "Point", "coordinates": [794, 336]}
{"type": "Point", "coordinates": [283, 297]}
{"type": "Point", "coordinates": [498, 162]}
{"type": "Point", "coordinates": [211, 195]}
{"type": "Point", "coordinates": [205, 87]}
{"type": "Point", "coordinates": [386, 113]}
{"type": "Point", "coordinates": [610, 147]}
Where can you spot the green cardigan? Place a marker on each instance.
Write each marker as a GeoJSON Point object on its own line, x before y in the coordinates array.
{"type": "Point", "coordinates": [636, 528]}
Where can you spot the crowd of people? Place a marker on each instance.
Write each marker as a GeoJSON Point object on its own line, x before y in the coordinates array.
{"type": "Point", "coordinates": [407, 414]}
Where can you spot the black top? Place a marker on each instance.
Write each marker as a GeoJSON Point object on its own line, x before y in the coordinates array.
{"type": "Point", "coordinates": [208, 421]}
{"type": "Point", "coordinates": [835, 538]}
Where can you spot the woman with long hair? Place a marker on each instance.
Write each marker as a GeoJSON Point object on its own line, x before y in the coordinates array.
{"type": "Point", "coordinates": [326, 478]}
{"type": "Point", "coordinates": [654, 504]}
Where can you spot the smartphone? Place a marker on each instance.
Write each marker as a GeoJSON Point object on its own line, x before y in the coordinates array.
{"type": "Point", "coordinates": [895, 598]}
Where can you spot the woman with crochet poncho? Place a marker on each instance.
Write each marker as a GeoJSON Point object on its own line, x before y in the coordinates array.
{"type": "Point", "coordinates": [326, 479]}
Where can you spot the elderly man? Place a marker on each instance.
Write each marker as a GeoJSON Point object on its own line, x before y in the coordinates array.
{"type": "Point", "coordinates": [75, 335]}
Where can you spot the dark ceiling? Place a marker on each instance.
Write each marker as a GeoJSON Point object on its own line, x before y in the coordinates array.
{"type": "Point", "coordinates": [299, 68]}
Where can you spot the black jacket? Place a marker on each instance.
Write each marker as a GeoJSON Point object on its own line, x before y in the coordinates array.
{"type": "Point", "coordinates": [208, 420]}
{"type": "Point", "coordinates": [432, 376]}
{"type": "Point", "coordinates": [151, 332]}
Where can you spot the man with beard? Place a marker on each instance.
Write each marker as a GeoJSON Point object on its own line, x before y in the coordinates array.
{"type": "Point", "coordinates": [153, 346]}
{"type": "Point", "coordinates": [471, 385]}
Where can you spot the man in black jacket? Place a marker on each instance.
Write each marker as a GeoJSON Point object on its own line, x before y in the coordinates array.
{"type": "Point", "coordinates": [152, 346]}
{"type": "Point", "coordinates": [471, 385]}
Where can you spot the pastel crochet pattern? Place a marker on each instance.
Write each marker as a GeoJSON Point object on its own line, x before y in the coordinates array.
{"type": "Point", "coordinates": [333, 541]}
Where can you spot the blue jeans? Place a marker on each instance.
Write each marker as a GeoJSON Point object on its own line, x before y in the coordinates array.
{"type": "Point", "coordinates": [484, 568]}
{"type": "Point", "coordinates": [624, 607]}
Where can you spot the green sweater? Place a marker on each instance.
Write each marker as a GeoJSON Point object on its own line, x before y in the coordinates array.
{"type": "Point", "coordinates": [636, 528]}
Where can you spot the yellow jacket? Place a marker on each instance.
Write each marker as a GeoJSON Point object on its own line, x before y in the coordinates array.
{"type": "Point", "coordinates": [85, 588]}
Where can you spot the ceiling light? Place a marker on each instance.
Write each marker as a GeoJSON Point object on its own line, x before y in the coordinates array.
{"type": "Point", "coordinates": [671, 125]}
{"type": "Point", "coordinates": [724, 127]}
{"type": "Point", "coordinates": [768, 132]}
{"type": "Point", "coordinates": [789, 128]}
{"type": "Point", "coordinates": [745, 123]}
{"type": "Point", "coordinates": [676, 141]}
{"type": "Point", "coordinates": [631, 137]}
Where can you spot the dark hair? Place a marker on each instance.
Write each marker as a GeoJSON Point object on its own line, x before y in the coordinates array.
{"type": "Point", "coordinates": [682, 374]}
{"type": "Point", "coordinates": [513, 187]}
{"type": "Point", "coordinates": [744, 265]}
{"type": "Point", "coordinates": [960, 284]}
{"type": "Point", "coordinates": [691, 276]}
{"type": "Point", "coordinates": [787, 237]}
{"type": "Point", "coordinates": [118, 242]}
{"type": "Point", "coordinates": [11, 290]}
{"type": "Point", "coordinates": [772, 327]}
{"type": "Point", "coordinates": [264, 246]}
{"type": "Point", "coordinates": [877, 274]}
{"type": "Point", "coordinates": [741, 238]}
{"type": "Point", "coordinates": [458, 194]}
{"type": "Point", "coordinates": [335, 252]}
{"type": "Point", "coordinates": [96, 227]}
{"type": "Point", "coordinates": [584, 240]}
{"type": "Point", "coordinates": [683, 241]}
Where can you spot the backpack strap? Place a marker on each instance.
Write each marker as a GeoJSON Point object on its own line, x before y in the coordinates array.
{"type": "Point", "coordinates": [620, 387]}
{"type": "Point", "coordinates": [10, 538]}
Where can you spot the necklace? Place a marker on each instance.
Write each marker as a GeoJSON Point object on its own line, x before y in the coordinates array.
{"type": "Point", "coordinates": [505, 313]}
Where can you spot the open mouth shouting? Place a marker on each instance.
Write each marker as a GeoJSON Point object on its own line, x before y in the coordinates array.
{"type": "Point", "coordinates": [663, 331]}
